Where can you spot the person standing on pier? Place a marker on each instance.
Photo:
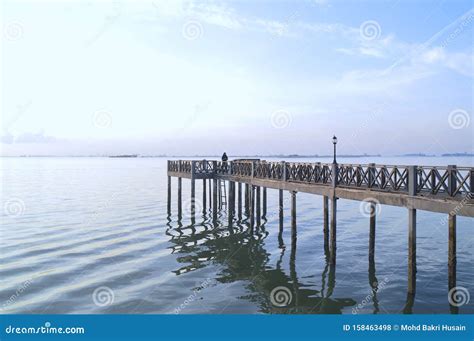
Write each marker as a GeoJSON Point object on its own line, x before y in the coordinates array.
{"type": "Point", "coordinates": [224, 162]}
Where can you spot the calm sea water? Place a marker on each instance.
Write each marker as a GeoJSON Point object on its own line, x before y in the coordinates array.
{"type": "Point", "coordinates": [92, 235]}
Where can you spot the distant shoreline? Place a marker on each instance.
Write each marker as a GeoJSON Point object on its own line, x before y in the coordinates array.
{"type": "Point", "coordinates": [286, 156]}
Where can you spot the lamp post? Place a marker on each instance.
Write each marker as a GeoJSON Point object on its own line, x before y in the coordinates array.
{"type": "Point", "coordinates": [334, 142]}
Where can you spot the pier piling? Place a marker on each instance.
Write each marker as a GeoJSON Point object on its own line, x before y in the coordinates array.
{"type": "Point", "coordinates": [231, 203]}
{"type": "Point", "coordinates": [204, 199]}
{"type": "Point", "coordinates": [411, 251]}
{"type": "Point", "coordinates": [180, 204]}
{"type": "Point", "coordinates": [326, 223]}
{"type": "Point", "coordinates": [372, 232]}
{"type": "Point", "coordinates": [214, 200]}
{"type": "Point", "coordinates": [169, 196]}
{"type": "Point", "coordinates": [258, 208]}
{"type": "Point", "coordinates": [193, 197]}
{"type": "Point", "coordinates": [280, 208]}
{"type": "Point", "coordinates": [293, 212]}
{"type": "Point", "coordinates": [412, 188]}
{"type": "Point", "coordinates": [210, 193]}
{"type": "Point", "coordinates": [252, 208]}
{"type": "Point", "coordinates": [452, 251]}
{"type": "Point", "coordinates": [333, 230]}
{"type": "Point", "coordinates": [239, 200]}
{"type": "Point", "coordinates": [264, 198]}
{"type": "Point", "coordinates": [247, 199]}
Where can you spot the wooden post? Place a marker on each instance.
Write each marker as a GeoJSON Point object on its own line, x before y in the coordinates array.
{"type": "Point", "coordinates": [210, 193]}
{"type": "Point", "coordinates": [193, 197]}
{"type": "Point", "coordinates": [334, 174]}
{"type": "Point", "coordinates": [333, 230]}
{"type": "Point", "coordinates": [451, 179]}
{"type": "Point", "coordinates": [219, 195]}
{"type": "Point", "coordinates": [293, 212]}
{"type": "Point", "coordinates": [169, 195]}
{"type": "Point", "coordinates": [372, 232]}
{"type": "Point", "coordinates": [180, 205]}
{"type": "Point", "coordinates": [412, 189]}
{"type": "Point", "coordinates": [252, 204]}
{"type": "Point", "coordinates": [326, 222]}
{"type": "Point", "coordinates": [452, 251]}
{"type": "Point", "coordinates": [470, 194]}
{"type": "Point", "coordinates": [214, 199]}
{"type": "Point", "coordinates": [239, 200]}
{"type": "Point", "coordinates": [280, 208]}
{"type": "Point", "coordinates": [247, 199]}
{"type": "Point", "coordinates": [371, 174]}
{"type": "Point", "coordinates": [411, 251]}
{"type": "Point", "coordinates": [264, 213]}
{"type": "Point", "coordinates": [258, 208]}
{"type": "Point", "coordinates": [204, 199]}
{"type": "Point", "coordinates": [193, 189]}
{"type": "Point", "coordinates": [231, 203]}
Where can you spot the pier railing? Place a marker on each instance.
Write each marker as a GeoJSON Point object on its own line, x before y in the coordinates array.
{"type": "Point", "coordinates": [450, 181]}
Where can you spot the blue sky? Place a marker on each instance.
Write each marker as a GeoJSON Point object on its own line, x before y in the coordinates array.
{"type": "Point", "coordinates": [194, 77]}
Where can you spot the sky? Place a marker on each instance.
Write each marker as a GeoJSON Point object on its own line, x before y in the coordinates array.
{"type": "Point", "coordinates": [248, 77]}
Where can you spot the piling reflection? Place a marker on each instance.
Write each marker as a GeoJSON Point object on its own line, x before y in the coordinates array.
{"type": "Point", "coordinates": [243, 258]}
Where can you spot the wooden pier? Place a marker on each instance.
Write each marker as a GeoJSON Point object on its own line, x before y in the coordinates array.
{"type": "Point", "coordinates": [443, 189]}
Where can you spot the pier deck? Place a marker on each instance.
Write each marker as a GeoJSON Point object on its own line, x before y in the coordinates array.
{"type": "Point", "coordinates": [438, 189]}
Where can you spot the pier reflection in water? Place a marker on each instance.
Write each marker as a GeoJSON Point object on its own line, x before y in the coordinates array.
{"type": "Point", "coordinates": [243, 257]}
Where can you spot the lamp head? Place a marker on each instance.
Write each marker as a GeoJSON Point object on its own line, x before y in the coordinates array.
{"type": "Point", "coordinates": [334, 139]}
